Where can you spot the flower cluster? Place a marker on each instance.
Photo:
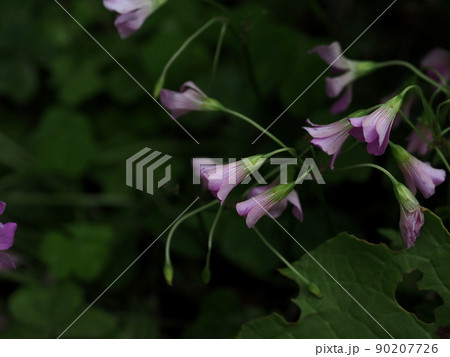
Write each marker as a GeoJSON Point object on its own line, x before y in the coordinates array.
{"type": "Point", "coordinates": [372, 127]}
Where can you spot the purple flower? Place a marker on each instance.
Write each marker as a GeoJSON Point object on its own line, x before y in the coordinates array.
{"type": "Point", "coordinates": [437, 60]}
{"type": "Point", "coordinates": [411, 215]}
{"type": "Point", "coordinates": [331, 137]}
{"type": "Point", "coordinates": [418, 175]}
{"type": "Point", "coordinates": [7, 232]}
{"type": "Point", "coordinates": [375, 128]}
{"type": "Point", "coordinates": [350, 70]}
{"type": "Point", "coordinates": [188, 99]}
{"type": "Point", "coordinates": [223, 178]}
{"type": "Point", "coordinates": [133, 13]}
{"type": "Point", "coordinates": [269, 199]}
{"type": "Point", "coordinates": [416, 143]}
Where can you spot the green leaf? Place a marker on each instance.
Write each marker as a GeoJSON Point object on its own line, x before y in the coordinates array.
{"type": "Point", "coordinates": [371, 274]}
{"type": "Point", "coordinates": [46, 309]}
{"type": "Point", "coordinates": [64, 142]}
{"type": "Point", "coordinates": [83, 253]}
{"type": "Point", "coordinates": [95, 323]}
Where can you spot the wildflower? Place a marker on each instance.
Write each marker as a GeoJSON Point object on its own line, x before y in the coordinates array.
{"type": "Point", "coordinates": [418, 175]}
{"type": "Point", "coordinates": [7, 232]}
{"type": "Point", "coordinates": [269, 199]}
{"type": "Point", "coordinates": [223, 178]}
{"type": "Point", "coordinates": [331, 137]}
{"type": "Point", "coordinates": [188, 99]}
{"type": "Point", "coordinates": [351, 70]}
{"type": "Point", "coordinates": [375, 128]}
{"type": "Point", "coordinates": [416, 143]}
{"type": "Point", "coordinates": [437, 60]}
{"type": "Point", "coordinates": [133, 13]}
{"type": "Point", "coordinates": [411, 215]}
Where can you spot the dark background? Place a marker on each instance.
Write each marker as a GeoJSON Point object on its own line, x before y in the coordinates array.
{"type": "Point", "coordinates": [70, 117]}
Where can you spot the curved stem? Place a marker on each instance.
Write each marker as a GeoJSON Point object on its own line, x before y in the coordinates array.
{"type": "Point", "coordinates": [186, 43]}
{"type": "Point", "coordinates": [311, 286]}
{"type": "Point", "coordinates": [223, 30]}
{"type": "Point", "coordinates": [206, 275]}
{"type": "Point", "coordinates": [413, 69]}
{"type": "Point", "coordinates": [444, 103]}
{"type": "Point", "coordinates": [259, 127]}
{"type": "Point", "coordinates": [382, 169]}
{"type": "Point", "coordinates": [168, 262]}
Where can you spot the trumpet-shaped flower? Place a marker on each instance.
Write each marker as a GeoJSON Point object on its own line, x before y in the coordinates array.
{"type": "Point", "coordinates": [269, 200]}
{"type": "Point", "coordinates": [331, 137]}
{"type": "Point", "coordinates": [132, 13]}
{"type": "Point", "coordinates": [190, 98]}
{"type": "Point", "coordinates": [418, 175]}
{"type": "Point", "coordinates": [223, 178]}
{"type": "Point", "coordinates": [350, 71]}
{"type": "Point", "coordinates": [411, 215]}
{"type": "Point", "coordinates": [416, 143]}
{"type": "Point", "coordinates": [437, 60]}
{"type": "Point", "coordinates": [375, 128]}
{"type": "Point", "coordinates": [7, 232]}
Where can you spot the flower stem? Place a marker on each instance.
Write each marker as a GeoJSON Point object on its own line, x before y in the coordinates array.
{"type": "Point", "coordinates": [382, 169]}
{"type": "Point", "coordinates": [415, 70]}
{"type": "Point", "coordinates": [311, 286]}
{"type": "Point", "coordinates": [206, 274]}
{"type": "Point", "coordinates": [168, 269]}
{"type": "Point", "coordinates": [259, 127]}
{"type": "Point", "coordinates": [278, 151]}
{"type": "Point", "coordinates": [186, 43]}
{"type": "Point", "coordinates": [223, 30]}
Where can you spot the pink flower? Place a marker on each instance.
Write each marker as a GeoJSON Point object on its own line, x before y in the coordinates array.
{"type": "Point", "coordinates": [133, 13]}
{"type": "Point", "coordinates": [375, 128]}
{"type": "Point", "coordinates": [418, 175]}
{"type": "Point", "coordinates": [223, 178]}
{"type": "Point", "coordinates": [416, 143]}
{"type": "Point", "coordinates": [269, 199]}
{"type": "Point", "coordinates": [350, 70]}
{"type": "Point", "coordinates": [188, 99]}
{"type": "Point", "coordinates": [411, 215]}
{"type": "Point", "coordinates": [331, 137]}
{"type": "Point", "coordinates": [7, 232]}
{"type": "Point", "coordinates": [437, 60]}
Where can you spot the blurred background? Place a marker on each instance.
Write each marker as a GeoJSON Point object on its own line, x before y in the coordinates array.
{"type": "Point", "coordinates": [70, 117]}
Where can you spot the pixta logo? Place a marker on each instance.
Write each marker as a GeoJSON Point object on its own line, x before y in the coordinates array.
{"type": "Point", "coordinates": [141, 168]}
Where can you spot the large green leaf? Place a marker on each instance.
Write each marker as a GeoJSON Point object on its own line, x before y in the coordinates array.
{"type": "Point", "coordinates": [83, 253]}
{"type": "Point", "coordinates": [370, 273]}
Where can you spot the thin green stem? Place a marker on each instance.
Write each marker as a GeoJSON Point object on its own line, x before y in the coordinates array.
{"type": "Point", "coordinates": [223, 30]}
{"type": "Point", "coordinates": [168, 271]}
{"type": "Point", "coordinates": [311, 286]}
{"type": "Point", "coordinates": [186, 43]}
{"type": "Point", "coordinates": [278, 151]}
{"type": "Point", "coordinates": [415, 70]}
{"type": "Point", "coordinates": [259, 127]}
{"type": "Point", "coordinates": [382, 169]}
{"type": "Point", "coordinates": [206, 275]}
{"type": "Point", "coordinates": [444, 103]}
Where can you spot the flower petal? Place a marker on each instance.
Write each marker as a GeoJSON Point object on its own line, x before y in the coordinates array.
{"type": "Point", "coordinates": [297, 209]}
{"type": "Point", "coordinates": [343, 102]}
{"type": "Point", "coordinates": [124, 6]}
{"type": "Point", "coordinates": [7, 232]}
{"type": "Point", "coordinates": [332, 54]}
{"type": "Point", "coordinates": [130, 22]}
